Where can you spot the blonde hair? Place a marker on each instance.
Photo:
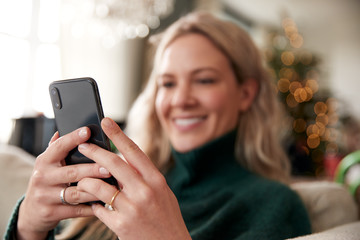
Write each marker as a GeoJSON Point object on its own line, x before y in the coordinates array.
{"type": "Point", "coordinates": [258, 147]}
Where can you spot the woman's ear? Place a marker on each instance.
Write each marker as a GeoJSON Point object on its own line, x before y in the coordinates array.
{"type": "Point", "coordinates": [247, 93]}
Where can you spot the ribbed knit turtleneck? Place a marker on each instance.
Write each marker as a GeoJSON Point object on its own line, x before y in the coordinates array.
{"type": "Point", "coordinates": [204, 165]}
{"type": "Point", "coordinates": [219, 199]}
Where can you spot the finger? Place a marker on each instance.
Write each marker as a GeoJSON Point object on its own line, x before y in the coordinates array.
{"type": "Point", "coordinates": [63, 145]}
{"type": "Point", "coordinates": [101, 190]}
{"type": "Point", "coordinates": [106, 216]}
{"type": "Point", "coordinates": [111, 161]}
{"type": "Point", "coordinates": [74, 173]}
{"type": "Point", "coordinates": [53, 196]}
{"type": "Point", "coordinates": [131, 152]}
{"type": "Point", "coordinates": [72, 211]}
{"type": "Point", "coordinates": [54, 137]}
{"type": "Point", "coordinates": [73, 195]}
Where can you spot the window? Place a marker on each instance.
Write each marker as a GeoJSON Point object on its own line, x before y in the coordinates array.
{"type": "Point", "coordinates": [29, 59]}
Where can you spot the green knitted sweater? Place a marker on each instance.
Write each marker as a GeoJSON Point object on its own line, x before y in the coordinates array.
{"type": "Point", "coordinates": [219, 199]}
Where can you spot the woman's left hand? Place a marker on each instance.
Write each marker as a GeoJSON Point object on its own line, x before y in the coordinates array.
{"type": "Point", "coordinates": [145, 208]}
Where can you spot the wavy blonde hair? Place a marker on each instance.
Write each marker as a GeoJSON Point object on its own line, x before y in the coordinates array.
{"type": "Point", "coordinates": [258, 147]}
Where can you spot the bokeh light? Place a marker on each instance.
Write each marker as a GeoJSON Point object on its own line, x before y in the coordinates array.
{"type": "Point", "coordinates": [313, 141]}
{"type": "Point", "coordinates": [294, 86]}
{"type": "Point", "coordinates": [283, 85]}
{"type": "Point", "coordinates": [290, 101]}
{"type": "Point", "coordinates": [312, 84]}
{"type": "Point", "coordinates": [315, 118]}
{"type": "Point", "coordinates": [322, 118]}
{"type": "Point", "coordinates": [287, 58]}
{"type": "Point", "coordinates": [320, 107]}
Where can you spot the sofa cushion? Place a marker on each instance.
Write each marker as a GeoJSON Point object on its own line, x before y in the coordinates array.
{"type": "Point", "coordinates": [350, 231]}
{"type": "Point", "coordinates": [15, 170]}
{"type": "Point", "coordinates": [329, 204]}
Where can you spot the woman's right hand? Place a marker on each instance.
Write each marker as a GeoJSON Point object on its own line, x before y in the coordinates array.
{"type": "Point", "coordinates": [42, 208]}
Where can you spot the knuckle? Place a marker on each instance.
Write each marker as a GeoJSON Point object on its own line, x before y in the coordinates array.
{"type": "Point", "coordinates": [131, 147]}
{"type": "Point", "coordinates": [38, 177]}
{"type": "Point", "coordinates": [74, 195]}
{"type": "Point", "coordinates": [146, 196]}
{"type": "Point", "coordinates": [38, 196]}
{"type": "Point", "coordinates": [115, 131]}
{"type": "Point", "coordinates": [79, 211]}
{"type": "Point", "coordinates": [89, 184]}
{"type": "Point", "coordinates": [46, 212]}
{"type": "Point", "coordinates": [113, 159]}
{"type": "Point", "coordinates": [159, 181]}
{"type": "Point", "coordinates": [92, 149]}
{"type": "Point", "coordinates": [58, 145]}
{"type": "Point", "coordinates": [121, 225]}
{"type": "Point", "coordinates": [40, 158]}
{"type": "Point", "coordinates": [71, 174]}
{"type": "Point", "coordinates": [133, 212]}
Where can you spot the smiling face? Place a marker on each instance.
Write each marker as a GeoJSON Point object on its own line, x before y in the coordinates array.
{"type": "Point", "coordinates": [198, 96]}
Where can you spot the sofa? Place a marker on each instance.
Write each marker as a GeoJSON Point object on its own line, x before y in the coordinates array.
{"type": "Point", "coordinates": [15, 170]}
{"type": "Point", "coordinates": [332, 210]}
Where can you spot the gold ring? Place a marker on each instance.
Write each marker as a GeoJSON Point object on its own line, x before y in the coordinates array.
{"type": "Point", "coordinates": [62, 197]}
{"type": "Point", "coordinates": [109, 205]}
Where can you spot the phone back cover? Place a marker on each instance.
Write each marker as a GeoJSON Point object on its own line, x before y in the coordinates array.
{"type": "Point", "coordinates": [80, 106]}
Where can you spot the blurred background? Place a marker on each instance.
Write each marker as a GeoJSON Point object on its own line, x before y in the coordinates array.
{"type": "Point", "coordinates": [311, 46]}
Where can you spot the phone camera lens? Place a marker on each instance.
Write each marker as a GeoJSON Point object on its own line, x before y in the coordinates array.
{"type": "Point", "coordinates": [55, 97]}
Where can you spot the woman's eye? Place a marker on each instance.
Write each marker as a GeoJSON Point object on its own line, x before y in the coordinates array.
{"type": "Point", "coordinates": [168, 84]}
{"type": "Point", "coordinates": [206, 80]}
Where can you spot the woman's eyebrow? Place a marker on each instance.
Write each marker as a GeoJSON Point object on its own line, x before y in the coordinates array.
{"type": "Point", "coordinates": [164, 75]}
{"type": "Point", "coordinates": [203, 69]}
{"type": "Point", "coordinates": [193, 72]}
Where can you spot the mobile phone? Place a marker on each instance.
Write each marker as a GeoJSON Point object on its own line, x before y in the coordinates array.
{"type": "Point", "coordinates": [76, 103]}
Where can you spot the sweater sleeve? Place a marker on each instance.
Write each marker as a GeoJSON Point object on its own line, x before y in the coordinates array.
{"type": "Point", "coordinates": [10, 233]}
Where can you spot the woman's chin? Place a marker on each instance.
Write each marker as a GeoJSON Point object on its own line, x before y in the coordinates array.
{"type": "Point", "coordinates": [184, 147]}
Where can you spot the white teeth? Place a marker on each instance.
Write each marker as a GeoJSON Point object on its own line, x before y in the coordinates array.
{"type": "Point", "coordinates": [187, 121]}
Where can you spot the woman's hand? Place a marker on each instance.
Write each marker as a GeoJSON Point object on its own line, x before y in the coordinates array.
{"type": "Point", "coordinates": [145, 208]}
{"type": "Point", "coordinates": [42, 208]}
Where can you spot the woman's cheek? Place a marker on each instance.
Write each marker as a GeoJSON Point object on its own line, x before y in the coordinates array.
{"type": "Point", "coordinates": [161, 104]}
{"type": "Point", "coordinates": [215, 100]}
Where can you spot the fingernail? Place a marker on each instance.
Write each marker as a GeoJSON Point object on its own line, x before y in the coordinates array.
{"type": "Point", "coordinates": [107, 122]}
{"type": "Point", "coordinates": [104, 171]}
{"type": "Point", "coordinates": [83, 146]}
{"type": "Point", "coordinates": [83, 133]}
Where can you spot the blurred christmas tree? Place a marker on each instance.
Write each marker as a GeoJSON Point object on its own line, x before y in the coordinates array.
{"type": "Point", "coordinates": [312, 111]}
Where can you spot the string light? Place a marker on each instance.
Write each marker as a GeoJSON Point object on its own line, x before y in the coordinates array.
{"type": "Point", "coordinates": [322, 118]}
{"type": "Point", "coordinates": [313, 141]}
{"type": "Point", "coordinates": [290, 101]}
{"type": "Point", "coordinates": [312, 84]}
{"type": "Point", "coordinates": [320, 107]}
{"type": "Point", "coordinates": [287, 58]}
{"type": "Point", "coordinates": [314, 118]}
{"type": "Point", "coordinates": [283, 85]}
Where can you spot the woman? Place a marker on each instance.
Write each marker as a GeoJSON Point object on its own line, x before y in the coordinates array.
{"type": "Point", "coordinates": [208, 120]}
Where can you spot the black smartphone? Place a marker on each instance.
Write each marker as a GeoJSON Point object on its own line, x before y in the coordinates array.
{"type": "Point", "coordinates": [76, 103]}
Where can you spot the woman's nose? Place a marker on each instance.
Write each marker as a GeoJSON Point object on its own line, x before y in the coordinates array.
{"type": "Point", "coordinates": [182, 96]}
